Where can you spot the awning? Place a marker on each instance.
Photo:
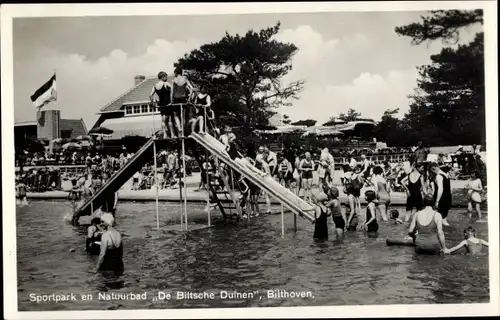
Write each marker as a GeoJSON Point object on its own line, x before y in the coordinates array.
{"type": "Point", "coordinates": [144, 126]}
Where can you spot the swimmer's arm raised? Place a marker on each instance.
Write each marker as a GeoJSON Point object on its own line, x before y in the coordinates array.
{"type": "Point", "coordinates": [104, 247]}
{"type": "Point", "coordinates": [457, 247]}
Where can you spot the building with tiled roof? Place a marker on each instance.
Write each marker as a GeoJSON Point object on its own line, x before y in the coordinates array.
{"type": "Point", "coordinates": [131, 114]}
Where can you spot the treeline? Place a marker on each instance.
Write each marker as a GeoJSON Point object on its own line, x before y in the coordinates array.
{"type": "Point", "coordinates": [244, 76]}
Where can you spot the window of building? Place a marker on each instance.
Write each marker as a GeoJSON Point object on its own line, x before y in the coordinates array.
{"type": "Point", "coordinates": [139, 109]}
{"type": "Point", "coordinates": [65, 134]}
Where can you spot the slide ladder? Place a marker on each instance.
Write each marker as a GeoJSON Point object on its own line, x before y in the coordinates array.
{"type": "Point", "coordinates": [117, 180]}
{"type": "Point", "coordinates": [267, 184]}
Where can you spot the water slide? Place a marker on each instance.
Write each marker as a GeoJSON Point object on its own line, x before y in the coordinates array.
{"type": "Point", "coordinates": [268, 184]}
{"type": "Point", "coordinates": [117, 180]}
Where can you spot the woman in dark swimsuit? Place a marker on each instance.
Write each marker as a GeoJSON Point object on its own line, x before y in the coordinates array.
{"type": "Point", "coordinates": [111, 255]}
{"type": "Point", "coordinates": [414, 190]}
{"type": "Point", "coordinates": [442, 192]}
{"type": "Point", "coordinates": [321, 217]}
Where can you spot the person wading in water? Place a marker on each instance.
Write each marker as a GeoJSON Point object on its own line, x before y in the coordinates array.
{"type": "Point", "coordinates": [442, 193]}
{"type": "Point", "coordinates": [163, 92]}
{"type": "Point", "coordinates": [111, 255]}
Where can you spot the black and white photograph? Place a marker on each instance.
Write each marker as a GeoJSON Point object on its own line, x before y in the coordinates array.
{"type": "Point", "coordinates": [233, 160]}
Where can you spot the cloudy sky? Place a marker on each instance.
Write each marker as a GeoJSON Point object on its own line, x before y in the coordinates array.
{"type": "Point", "coordinates": [349, 60]}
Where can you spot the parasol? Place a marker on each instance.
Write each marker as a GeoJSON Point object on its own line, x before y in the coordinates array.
{"type": "Point", "coordinates": [100, 130]}
{"type": "Point", "coordinates": [71, 146]}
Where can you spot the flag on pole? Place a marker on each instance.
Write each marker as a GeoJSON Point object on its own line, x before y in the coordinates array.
{"type": "Point", "coordinates": [45, 94]}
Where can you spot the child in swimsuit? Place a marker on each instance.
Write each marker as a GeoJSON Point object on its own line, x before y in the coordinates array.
{"type": "Point", "coordinates": [471, 243]}
{"type": "Point", "coordinates": [352, 220]}
{"type": "Point", "coordinates": [371, 224]}
{"type": "Point", "coordinates": [244, 196]}
{"type": "Point", "coordinates": [338, 215]}
{"type": "Point", "coordinates": [475, 187]}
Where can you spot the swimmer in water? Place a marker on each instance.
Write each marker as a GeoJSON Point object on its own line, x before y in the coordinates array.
{"type": "Point", "coordinates": [94, 233]}
{"type": "Point", "coordinates": [381, 191]}
{"type": "Point", "coordinates": [395, 216]}
{"type": "Point", "coordinates": [475, 187]}
{"type": "Point", "coordinates": [111, 255]}
{"type": "Point", "coordinates": [471, 243]}
{"type": "Point", "coordinates": [371, 224]}
{"type": "Point", "coordinates": [321, 216]}
{"type": "Point", "coordinates": [338, 215]}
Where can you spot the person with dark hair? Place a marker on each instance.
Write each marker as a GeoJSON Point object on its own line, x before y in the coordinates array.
{"type": "Point", "coordinates": [181, 91]}
{"type": "Point", "coordinates": [425, 224]}
{"type": "Point", "coordinates": [202, 103]}
{"type": "Point", "coordinates": [381, 191]}
{"type": "Point", "coordinates": [161, 96]}
{"type": "Point", "coordinates": [338, 215]}
{"type": "Point", "coordinates": [370, 224]}
{"type": "Point", "coordinates": [442, 194]}
{"type": "Point", "coordinates": [471, 243]}
{"type": "Point", "coordinates": [94, 233]}
{"type": "Point", "coordinates": [395, 216]}
{"type": "Point", "coordinates": [321, 216]}
{"type": "Point", "coordinates": [414, 185]}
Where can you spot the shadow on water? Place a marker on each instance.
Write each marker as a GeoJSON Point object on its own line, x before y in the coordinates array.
{"type": "Point", "coordinates": [249, 256]}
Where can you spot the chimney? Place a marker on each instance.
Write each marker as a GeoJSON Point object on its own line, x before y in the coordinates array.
{"type": "Point", "coordinates": [139, 79]}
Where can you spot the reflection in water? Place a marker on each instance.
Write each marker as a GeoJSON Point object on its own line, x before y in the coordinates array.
{"type": "Point", "coordinates": [358, 269]}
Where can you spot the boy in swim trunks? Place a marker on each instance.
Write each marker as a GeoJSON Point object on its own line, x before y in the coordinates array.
{"type": "Point", "coordinates": [335, 207]}
{"type": "Point", "coordinates": [471, 243]}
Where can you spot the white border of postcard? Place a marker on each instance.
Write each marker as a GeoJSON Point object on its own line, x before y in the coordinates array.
{"type": "Point", "coordinates": [8, 12]}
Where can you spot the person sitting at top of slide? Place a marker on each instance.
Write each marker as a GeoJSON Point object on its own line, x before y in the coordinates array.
{"type": "Point", "coordinates": [202, 103]}
{"type": "Point", "coordinates": [181, 91]}
{"type": "Point", "coordinates": [161, 96]}
{"type": "Point", "coordinates": [471, 243]}
{"type": "Point", "coordinates": [425, 224]}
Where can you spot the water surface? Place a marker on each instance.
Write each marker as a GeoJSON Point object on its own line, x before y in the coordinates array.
{"type": "Point", "coordinates": [237, 257]}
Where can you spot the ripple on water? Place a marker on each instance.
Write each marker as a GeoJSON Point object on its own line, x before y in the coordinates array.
{"type": "Point", "coordinates": [360, 270]}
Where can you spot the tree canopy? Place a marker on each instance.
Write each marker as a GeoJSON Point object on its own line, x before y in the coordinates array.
{"type": "Point", "coordinates": [448, 106]}
{"type": "Point", "coordinates": [244, 74]}
{"type": "Point", "coordinates": [441, 24]}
